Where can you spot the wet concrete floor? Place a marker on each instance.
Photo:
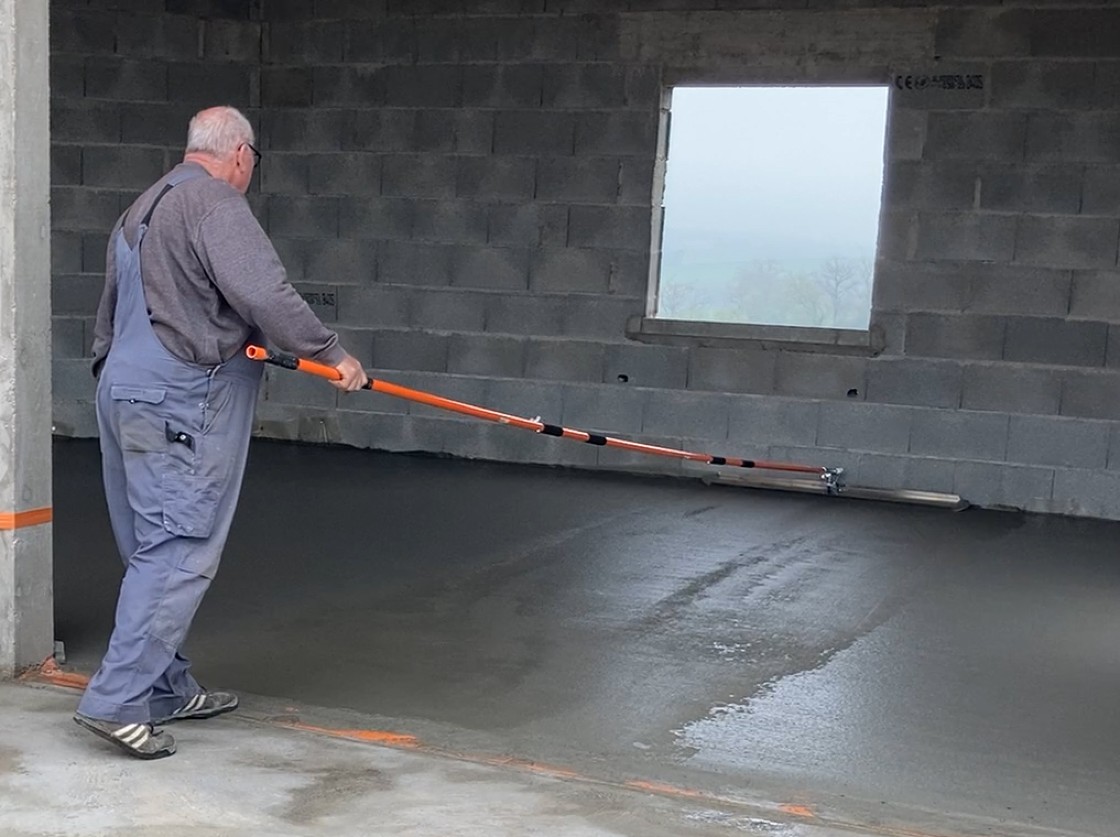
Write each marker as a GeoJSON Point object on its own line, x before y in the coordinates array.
{"type": "Point", "coordinates": [903, 667]}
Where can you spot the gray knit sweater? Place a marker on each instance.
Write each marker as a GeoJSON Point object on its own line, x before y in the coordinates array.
{"type": "Point", "coordinates": [212, 279]}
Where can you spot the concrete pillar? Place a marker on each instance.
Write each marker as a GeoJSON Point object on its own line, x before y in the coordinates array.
{"type": "Point", "coordinates": [26, 610]}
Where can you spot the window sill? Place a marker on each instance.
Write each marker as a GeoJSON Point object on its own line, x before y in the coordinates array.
{"type": "Point", "coordinates": [834, 341]}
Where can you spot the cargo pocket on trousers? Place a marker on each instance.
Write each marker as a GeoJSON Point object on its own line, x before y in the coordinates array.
{"type": "Point", "coordinates": [139, 425]}
{"type": "Point", "coordinates": [190, 505]}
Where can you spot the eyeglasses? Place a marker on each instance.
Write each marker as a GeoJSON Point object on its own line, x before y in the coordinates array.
{"type": "Point", "coordinates": [256, 154]}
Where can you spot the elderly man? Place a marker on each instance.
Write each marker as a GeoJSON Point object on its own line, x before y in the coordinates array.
{"type": "Point", "coordinates": [191, 279]}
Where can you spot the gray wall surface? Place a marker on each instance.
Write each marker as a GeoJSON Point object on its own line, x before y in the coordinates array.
{"type": "Point", "coordinates": [465, 190]}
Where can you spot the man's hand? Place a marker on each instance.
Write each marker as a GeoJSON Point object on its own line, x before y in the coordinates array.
{"type": "Point", "coordinates": [353, 376]}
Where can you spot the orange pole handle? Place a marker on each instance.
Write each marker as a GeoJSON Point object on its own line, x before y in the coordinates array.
{"type": "Point", "coordinates": [537, 426]}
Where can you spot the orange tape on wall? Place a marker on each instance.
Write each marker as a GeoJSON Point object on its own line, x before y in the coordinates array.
{"type": "Point", "coordinates": [20, 520]}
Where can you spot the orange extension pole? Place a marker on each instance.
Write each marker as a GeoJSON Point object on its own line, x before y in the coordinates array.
{"type": "Point", "coordinates": [829, 475]}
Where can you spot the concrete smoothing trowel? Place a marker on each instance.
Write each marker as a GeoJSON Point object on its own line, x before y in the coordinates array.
{"type": "Point", "coordinates": [830, 481]}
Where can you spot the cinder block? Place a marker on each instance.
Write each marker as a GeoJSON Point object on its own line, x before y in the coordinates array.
{"type": "Point", "coordinates": [502, 86]}
{"type": "Point", "coordinates": [635, 182]}
{"type": "Point", "coordinates": [584, 86]}
{"type": "Point", "coordinates": [610, 410]}
{"type": "Point", "coordinates": [495, 177]}
{"type": "Point", "coordinates": [1011, 388]}
{"type": "Point", "coordinates": [414, 350]}
{"type": "Point", "coordinates": [303, 44]}
{"type": "Point", "coordinates": [66, 165]}
{"type": "Point", "coordinates": [960, 435]}
{"type": "Point", "coordinates": [598, 317]}
{"type": "Point", "coordinates": [302, 217]}
{"type": "Point", "coordinates": [1017, 289]}
{"type": "Point", "coordinates": [648, 366]}
{"type": "Point", "coordinates": [452, 221]}
{"type": "Point", "coordinates": [906, 134]}
{"type": "Point", "coordinates": [202, 84]}
{"type": "Point", "coordinates": [303, 130]}
{"type": "Point", "coordinates": [465, 388]}
{"type": "Point", "coordinates": [635, 462]}
{"type": "Point", "coordinates": [83, 32]}
{"type": "Point", "coordinates": [994, 485]}
{"type": "Point", "coordinates": [532, 224]}
{"type": "Point", "coordinates": [1089, 137]}
{"type": "Point", "coordinates": [913, 184]}
{"type": "Point", "coordinates": [74, 419]}
{"type": "Point", "coordinates": [322, 299]}
{"type": "Point", "coordinates": [1068, 242]}
{"type": "Point", "coordinates": [376, 218]}
{"type": "Point", "coordinates": [617, 133]}
{"type": "Point", "coordinates": [959, 336]}
{"type": "Point", "coordinates": [529, 314]}
{"type": "Point", "coordinates": [903, 472]}
{"type": "Point", "coordinates": [1114, 449]}
{"type": "Point", "coordinates": [231, 40]}
{"type": "Point", "coordinates": [1057, 341]}
{"type": "Point", "coordinates": [819, 375]}
{"type": "Point", "coordinates": [340, 260]}
{"type": "Point", "coordinates": [1054, 189]}
{"type": "Point", "coordinates": [681, 414]}
{"type": "Point", "coordinates": [382, 41]}
{"type": "Point", "coordinates": [474, 132]}
{"type": "Point", "coordinates": [402, 262]}
{"type": "Point", "coordinates": [293, 255]}
{"type": "Point", "coordinates": [1041, 85]}
{"type": "Point", "coordinates": [418, 176]}
{"type": "Point", "coordinates": [965, 237]}
{"type": "Point", "coordinates": [435, 131]}
{"type": "Point", "coordinates": [125, 80]}
{"type": "Point", "coordinates": [1068, 34]}
{"type": "Point", "coordinates": [77, 208]}
{"type": "Point", "coordinates": [284, 174]}
{"type": "Point", "coordinates": [84, 121]}
{"type": "Point", "coordinates": [448, 310]}
{"type": "Point", "coordinates": [67, 76]}
{"type": "Point", "coordinates": [217, 11]}
{"type": "Point", "coordinates": [423, 85]}
{"type": "Point", "coordinates": [486, 354]}
{"type": "Point", "coordinates": [975, 135]}
{"type": "Point", "coordinates": [359, 86]}
{"type": "Point", "coordinates": [920, 383]}
{"type": "Point", "coordinates": [982, 33]}
{"type": "Point", "coordinates": [887, 333]}
{"type": "Point", "coordinates": [898, 234]}
{"type": "Point", "coordinates": [564, 360]}
{"type": "Point", "coordinates": [389, 307]}
{"type": "Point", "coordinates": [533, 132]}
{"type": "Point", "coordinates": [344, 174]}
{"type": "Point", "coordinates": [491, 267]}
{"type": "Point", "coordinates": [358, 342]}
{"type": "Point", "coordinates": [1087, 493]}
{"type": "Point", "coordinates": [570, 269]}
{"type": "Point", "coordinates": [68, 340]}
{"type": "Point", "coordinates": [629, 273]}
{"type": "Point", "coordinates": [93, 252]}
{"type": "Point", "coordinates": [162, 37]}
{"type": "Point", "coordinates": [383, 129]}
{"type": "Point", "coordinates": [284, 387]}
{"type": "Point", "coordinates": [763, 420]}
{"type": "Point", "coordinates": [618, 227]}
{"type": "Point", "coordinates": [869, 427]}
{"type": "Point", "coordinates": [578, 179]}
{"type": "Point", "coordinates": [1091, 394]}
{"type": "Point", "coordinates": [155, 123]}
{"type": "Point", "coordinates": [1100, 193]}
{"type": "Point", "coordinates": [66, 256]}
{"type": "Point", "coordinates": [1065, 442]}
{"type": "Point", "coordinates": [731, 370]}
{"type": "Point", "coordinates": [526, 399]}
{"type": "Point", "coordinates": [910, 286]}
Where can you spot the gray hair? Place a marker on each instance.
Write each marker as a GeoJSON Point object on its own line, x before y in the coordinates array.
{"type": "Point", "coordinates": [218, 131]}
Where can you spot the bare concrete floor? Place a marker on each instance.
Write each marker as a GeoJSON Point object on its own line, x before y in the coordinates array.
{"type": "Point", "coordinates": [904, 670]}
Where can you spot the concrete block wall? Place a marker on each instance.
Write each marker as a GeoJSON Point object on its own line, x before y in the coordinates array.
{"type": "Point", "coordinates": [464, 189]}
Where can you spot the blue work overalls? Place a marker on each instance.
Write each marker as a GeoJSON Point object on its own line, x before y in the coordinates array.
{"type": "Point", "coordinates": [174, 439]}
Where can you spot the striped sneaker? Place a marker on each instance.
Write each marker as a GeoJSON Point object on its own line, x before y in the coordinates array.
{"type": "Point", "coordinates": [139, 740]}
{"type": "Point", "coordinates": [202, 705]}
